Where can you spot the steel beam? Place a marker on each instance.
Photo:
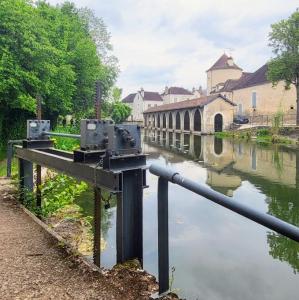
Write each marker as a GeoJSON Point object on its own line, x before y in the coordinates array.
{"type": "Point", "coordinates": [38, 186]}
{"type": "Point", "coordinates": [25, 178]}
{"type": "Point", "coordinates": [97, 227]}
{"type": "Point", "coordinates": [87, 172]}
{"type": "Point", "coordinates": [129, 229]}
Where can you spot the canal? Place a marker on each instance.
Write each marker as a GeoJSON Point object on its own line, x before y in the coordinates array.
{"type": "Point", "coordinates": [214, 253]}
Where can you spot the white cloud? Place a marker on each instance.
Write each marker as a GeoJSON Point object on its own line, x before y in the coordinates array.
{"type": "Point", "coordinates": [171, 42]}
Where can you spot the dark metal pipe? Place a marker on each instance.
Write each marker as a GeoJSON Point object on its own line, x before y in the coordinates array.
{"type": "Point", "coordinates": [67, 135]}
{"type": "Point", "coordinates": [266, 220]}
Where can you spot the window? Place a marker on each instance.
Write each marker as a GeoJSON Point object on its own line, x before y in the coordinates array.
{"type": "Point", "coordinates": [149, 105]}
{"type": "Point", "coordinates": [253, 99]}
{"type": "Point", "coordinates": [156, 105]}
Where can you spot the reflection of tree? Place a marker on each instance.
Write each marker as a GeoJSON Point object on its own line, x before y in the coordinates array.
{"type": "Point", "coordinates": [284, 249]}
{"type": "Point", "coordinates": [283, 203]}
{"type": "Point", "coordinates": [86, 202]}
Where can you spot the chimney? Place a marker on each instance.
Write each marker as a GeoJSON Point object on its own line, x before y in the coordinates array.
{"type": "Point", "coordinates": [166, 90]}
{"type": "Point", "coordinates": [142, 92]}
{"type": "Point", "coordinates": [230, 61]}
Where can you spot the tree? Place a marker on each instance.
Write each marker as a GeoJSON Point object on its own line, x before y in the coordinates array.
{"type": "Point", "coordinates": [284, 39]}
{"type": "Point", "coordinates": [120, 112]}
{"type": "Point", "coordinates": [49, 51]}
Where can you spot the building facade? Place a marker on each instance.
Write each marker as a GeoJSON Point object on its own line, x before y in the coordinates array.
{"type": "Point", "coordinates": [253, 93]}
{"type": "Point", "coordinates": [141, 101]}
{"type": "Point", "coordinates": [204, 115]}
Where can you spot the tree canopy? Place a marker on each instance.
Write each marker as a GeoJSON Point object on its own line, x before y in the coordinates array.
{"type": "Point", "coordinates": [284, 40]}
{"type": "Point", "coordinates": [55, 52]}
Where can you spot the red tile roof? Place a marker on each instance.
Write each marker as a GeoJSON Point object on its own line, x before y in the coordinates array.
{"type": "Point", "coordinates": [129, 98]}
{"type": "Point", "coordinates": [199, 102]}
{"type": "Point", "coordinates": [230, 84]}
{"type": "Point", "coordinates": [222, 63]}
{"type": "Point", "coordinates": [174, 90]}
{"type": "Point", "coordinates": [256, 78]}
{"type": "Point", "coordinates": [152, 96]}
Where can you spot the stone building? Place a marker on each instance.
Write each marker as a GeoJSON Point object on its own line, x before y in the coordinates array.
{"type": "Point", "coordinates": [176, 94]}
{"type": "Point", "coordinates": [141, 101]}
{"type": "Point", "coordinates": [204, 115]}
{"type": "Point", "coordinates": [252, 93]}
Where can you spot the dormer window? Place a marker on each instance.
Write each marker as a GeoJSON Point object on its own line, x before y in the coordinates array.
{"type": "Point", "coordinates": [230, 62]}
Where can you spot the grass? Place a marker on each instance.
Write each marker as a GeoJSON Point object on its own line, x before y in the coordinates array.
{"type": "Point", "coordinates": [262, 136]}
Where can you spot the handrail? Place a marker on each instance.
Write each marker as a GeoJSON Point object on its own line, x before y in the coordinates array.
{"type": "Point", "coordinates": [66, 135]}
{"type": "Point", "coordinates": [166, 175]}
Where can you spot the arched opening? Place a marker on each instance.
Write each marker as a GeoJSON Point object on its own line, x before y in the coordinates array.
{"type": "Point", "coordinates": [145, 120]}
{"type": "Point", "coordinates": [177, 121]}
{"type": "Point", "coordinates": [197, 146]}
{"type": "Point", "coordinates": [197, 120]}
{"type": "Point", "coordinates": [154, 121]}
{"type": "Point", "coordinates": [218, 123]}
{"type": "Point", "coordinates": [164, 121]}
{"type": "Point", "coordinates": [218, 146]}
{"type": "Point", "coordinates": [187, 121]}
{"type": "Point", "coordinates": [170, 120]}
{"type": "Point", "coordinates": [158, 121]}
{"type": "Point", "coordinates": [186, 142]}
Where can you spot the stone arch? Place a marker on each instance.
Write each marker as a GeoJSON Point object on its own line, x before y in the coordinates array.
{"type": "Point", "coordinates": [145, 120]}
{"type": "Point", "coordinates": [186, 120]}
{"type": "Point", "coordinates": [164, 121]}
{"type": "Point", "coordinates": [170, 125]}
{"type": "Point", "coordinates": [177, 120]}
{"type": "Point", "coordinates": [197, 120]}
{"type": "Point", "coordinates": [218, 146]}
{"type": "Point", "coordinates": [218, 122]}
{"type": "Point", "coordinates": [158, 121]}
{"type": "Point", "coordinates": [154, 120]}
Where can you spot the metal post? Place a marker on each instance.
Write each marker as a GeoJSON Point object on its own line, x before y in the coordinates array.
{"type": "Point", "coordinates": [39, 107]}
{"type": "Point", "coordinates": [97, 227]}
{"type": "Point", "coordinates": [163, 235]}
{"type": "Point", "coordinates": [9, 158]}
{"type": "Point", "coordinates": [25, 177]}
{"type": "Point", "coordinates": [98, 96]}
{"type": "Point", "coordinates": [129, 229]}
{"type": "Point", "coordinates": [38, 186]}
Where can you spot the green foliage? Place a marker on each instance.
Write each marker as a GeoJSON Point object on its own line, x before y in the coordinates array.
{"type": "Point", "coordinates": [263, 132]}
{"type": "Point", "coordinates": [120, 111]}
{"type": "Point", "coordinates": [59, 192]}
{"type": "Point", "coordinates": [284, 39]}
{"type": "Point", "coordinates": [67, 144]}
{"type": "Point", "coordinates": [51, 52]}
{"type": "Point", "coordinates": [277, 121]}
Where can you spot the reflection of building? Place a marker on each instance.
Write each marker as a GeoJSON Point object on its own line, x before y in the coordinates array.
{"type": "Point", "coordinates": [233, 162]}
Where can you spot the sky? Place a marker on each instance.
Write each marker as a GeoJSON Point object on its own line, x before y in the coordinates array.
{"type": "Point", "coordinates": [173, 42]}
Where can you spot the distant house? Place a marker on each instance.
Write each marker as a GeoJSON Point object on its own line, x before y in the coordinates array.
{"type": "Point", "coordinates": [141, 101]}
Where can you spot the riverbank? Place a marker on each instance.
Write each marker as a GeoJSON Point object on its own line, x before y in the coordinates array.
{"type": "Point", "coordinates": [263, 134]}
{"type": "Point", "coordinates": [35, 265]}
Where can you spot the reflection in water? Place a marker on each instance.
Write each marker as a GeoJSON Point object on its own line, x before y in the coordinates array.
{"type": "Point", "coordinates": [273, 170]}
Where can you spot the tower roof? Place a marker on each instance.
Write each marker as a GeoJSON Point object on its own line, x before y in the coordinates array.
{"type": "Point", "coordinates": [224, 63]}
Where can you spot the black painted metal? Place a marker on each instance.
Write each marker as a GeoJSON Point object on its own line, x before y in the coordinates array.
{"type": "Point", "coordinates": [97, 227]}
{"type": "Point", "coordinates": [25, 178]}
{"type": "Point", "coordinates": [163, 235]}
{"type": "Point", "coordinates": [129, 231]}
{"type": "Point", "coordinates": [88, 172]}
{"type": "Point", "coordinates": [38, 186]}
{"type": "Point", "coordinates": [166, 174]}
{"type": "Point", "coordinates": [9, 154]}
{"type": "Point", "coordinates": [37, 144]}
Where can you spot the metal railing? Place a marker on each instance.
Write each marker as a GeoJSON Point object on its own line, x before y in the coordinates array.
{"type": "Point", "coordinates": [167, 175]}
{"type": "Point", "coordinates": [287, 119]}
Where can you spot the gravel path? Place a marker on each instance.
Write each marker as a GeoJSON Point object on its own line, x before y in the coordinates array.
{"type": "Point", "coordinates": [32, 266]}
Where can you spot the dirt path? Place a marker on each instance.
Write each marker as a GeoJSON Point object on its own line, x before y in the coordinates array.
{"type": "Point", "coordinates": [32, 266]}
